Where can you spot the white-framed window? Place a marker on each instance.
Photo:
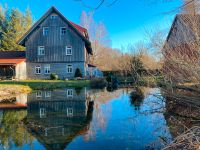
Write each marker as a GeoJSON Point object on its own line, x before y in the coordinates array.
{"type": "Point", "coordinates": [45, 31]}
{"type": "Point", "coordinates": [68, 50]}
{"type": "Point", "coordinates": [37, 69]}
{"type": "Point", "coordinates": [69, 68]}
{"type": "Point", "coordinates": [54, 16]}
{"type": "Point", "coordinates": [38, 94]}
{"type": "Point", "coordinates": [69, 92]}
{"type": "Point", "coordinates": [63, 30]}
{"type": "Point", "coordinates": [69, 112]}
{"type": "Point", "coordinates": [47, 94]}
{"type": "Point", "coordinates": [42, 112]}
{"type": "Point", "coordinates": [47, 69]}
{"type": "Point", "coordinates": [41, 50]}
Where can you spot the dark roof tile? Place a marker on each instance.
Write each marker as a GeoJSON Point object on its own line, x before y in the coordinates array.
{"type": "Point", "coordinates": [12, 54]}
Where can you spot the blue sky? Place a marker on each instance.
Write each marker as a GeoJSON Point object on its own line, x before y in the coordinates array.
{"type": "Point", "coordinates": [125, 21]}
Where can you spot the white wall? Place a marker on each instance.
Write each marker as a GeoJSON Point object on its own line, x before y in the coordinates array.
{"type": "Point", "coordinates": [20, 71]}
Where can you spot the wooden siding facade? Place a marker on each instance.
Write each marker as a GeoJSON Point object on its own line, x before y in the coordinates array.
{"type": "Point", "coordinates": [55, 44]}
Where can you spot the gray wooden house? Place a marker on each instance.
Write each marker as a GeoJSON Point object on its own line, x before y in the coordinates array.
{"type": "Point", "coordinates": [54, 45]}
{"type": "Point", "coordinates": [58, 116]}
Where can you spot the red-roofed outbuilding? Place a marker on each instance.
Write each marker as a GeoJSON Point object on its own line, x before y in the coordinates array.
{"type": "Point", "coordinates": [12, 64]}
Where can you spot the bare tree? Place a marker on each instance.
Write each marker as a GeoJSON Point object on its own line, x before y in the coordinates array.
{"type": "Point", "coordinates": [99, 38]}
{"type": "Point", "coordinates": [108, 3]}
{"type": "Point", "coordinates": [191, 6]}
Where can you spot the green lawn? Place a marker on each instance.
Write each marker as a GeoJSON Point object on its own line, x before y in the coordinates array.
{"type": "Point", "coordinates": [48, 84]}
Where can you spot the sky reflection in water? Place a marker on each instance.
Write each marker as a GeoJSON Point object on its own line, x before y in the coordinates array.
{"type": "Point", "coordinates": [86, 119]}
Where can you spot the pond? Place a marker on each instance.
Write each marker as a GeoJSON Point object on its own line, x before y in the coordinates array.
{"type": "Point", "coordinates": [84, 119]}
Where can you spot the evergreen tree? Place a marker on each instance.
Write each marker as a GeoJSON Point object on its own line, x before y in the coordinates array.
{"type": "Point", "coordinates": [78, 73]}
{"type": "Point", "coordinates": [28, 19]}
{"type": "Point", "coordinates": [13, 31]}
{"type": "Point", "coordinates": [13, 24]}
{"type": "Point", "coordinates": [1, 24]}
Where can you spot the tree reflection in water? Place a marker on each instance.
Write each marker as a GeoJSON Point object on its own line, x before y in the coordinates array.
{"type": "Point", "coordinates": [12, 131]}
{"type": "Point", "coordinates": [54, 119]}
{"type": "Point", "coordinates": [136, 98]}
{"type": "Point", "coordinates": [182, 110]}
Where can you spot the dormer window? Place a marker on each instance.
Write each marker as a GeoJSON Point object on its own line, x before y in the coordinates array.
{"type": "Point", "coordinates": [54, 16]}
{"type": "Point", "coordinates": [63, 31]}
{"type": "Point", "coordinates": [45, 31]}
{"type": "Point", "coordinates": [41, 50]}
{"type": "Point", "coordinates": [68, 50]}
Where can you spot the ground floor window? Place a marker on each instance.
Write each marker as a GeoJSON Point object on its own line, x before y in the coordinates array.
{"type": "Point", "coordinates": [70, 112]}
{"type": "Point", "coordinates": [42, 112]}
{"type": "Point", "coordinates": [38, 94]}
{"type": "Point", "coordinates": [47, 69]}
{"type": "Point", "coordinates": [69, 69]}
{"type": "Point", "coordinates": [38, 70]}
{"type": "Point", "coordinates": [47, 94]}
{"type": "Point", "coordinates": [69, 92]}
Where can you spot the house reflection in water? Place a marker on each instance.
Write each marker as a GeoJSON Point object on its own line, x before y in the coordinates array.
{"type": "Point", "coordinates": [56, 117]}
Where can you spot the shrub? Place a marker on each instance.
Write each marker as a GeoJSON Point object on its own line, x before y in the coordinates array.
{"type": "Point", "coordinates": [98, 83]}
{"type": "Point", "coordinates": [53, 76]}
{"type": "Point", "coordinates": [78, 90]}
{"type": "Point", "coordinates": [137, 94]}
{"type": "Point", "coordinates": [78, 73]}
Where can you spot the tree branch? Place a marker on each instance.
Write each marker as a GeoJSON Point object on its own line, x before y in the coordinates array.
{"type": "Point", "coordinates": [101, 2]}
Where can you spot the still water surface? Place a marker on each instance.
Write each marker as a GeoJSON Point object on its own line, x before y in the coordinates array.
{"type": "Point", "coordinates": [89, 119]}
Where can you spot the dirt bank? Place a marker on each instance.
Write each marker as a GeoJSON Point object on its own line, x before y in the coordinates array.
{"type": "Point", "coordinates": [9, 91]}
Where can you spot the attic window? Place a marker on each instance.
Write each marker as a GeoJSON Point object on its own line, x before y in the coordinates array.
{"type": "Point", "coordinates": [63, 31]}
{"type": "Point", "coordinates": [54, 16]}
{"type": "Point", "coordinates": [45, 30]}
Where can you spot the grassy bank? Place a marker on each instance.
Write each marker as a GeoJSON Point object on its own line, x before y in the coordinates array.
{"type": "Point", "coordinates": [46, 84]}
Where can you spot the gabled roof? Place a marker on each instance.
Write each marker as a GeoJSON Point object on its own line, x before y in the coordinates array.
{"type": "Point", "coordinates": [184, 30]}
{"type": "Point", "coordinates": [12, 54]}
{"type": "Point", "coordinates": [82, 32]}
{"type": "Point", "coordinates": [11, 61]}
{"type": "Point", "coordinates": [12, 57]}
{"type": "Point", "coordinates": [190, 21]}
